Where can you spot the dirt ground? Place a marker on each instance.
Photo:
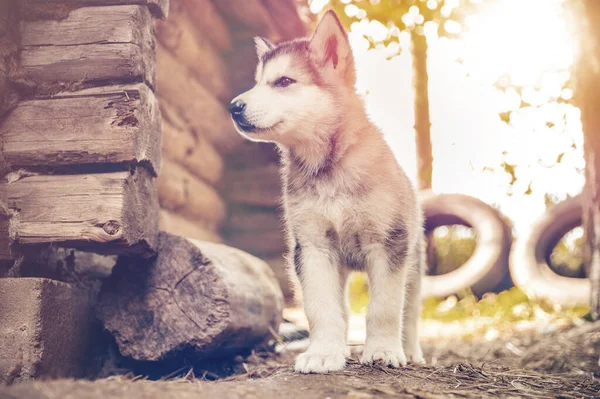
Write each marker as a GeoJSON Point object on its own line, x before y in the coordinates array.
{"type": "Point", "coordinates": [563, 364]}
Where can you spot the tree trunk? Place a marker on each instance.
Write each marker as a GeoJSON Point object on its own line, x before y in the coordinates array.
{"type": "Point", "coordinates": [587, 99]}
{"type": "Point", "coordinates": [422, 119]}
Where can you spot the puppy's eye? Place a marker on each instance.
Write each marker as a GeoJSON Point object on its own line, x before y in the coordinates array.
{"type": "Point", "coordinates": [283, 81]}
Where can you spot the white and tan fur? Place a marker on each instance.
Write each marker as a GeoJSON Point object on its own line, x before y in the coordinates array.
{"type": "Point", "coordinates": [348, 204]}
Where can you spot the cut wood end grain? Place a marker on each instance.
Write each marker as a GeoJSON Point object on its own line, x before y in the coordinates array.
{"type": "Point", "coordinates": [105, 212]}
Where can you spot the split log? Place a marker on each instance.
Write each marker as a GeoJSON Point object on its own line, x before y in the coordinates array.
{"type": "Point", "coordinates": [115, 124]}
{"type": "Point", "coordinates": [210, 23]}
{"type": "Point", "coordinates": [180, 192]}
{"type": "Point", "coordinates": [252, 14]}
{"type": "Point", "coordinates": [193, 49]}
{"type": "Point", "coordinates": [246, 219]}
{"type": "Point", "coordinates": [259, 186]}
{"type": "Point", "coordinates": [158, 8]}
{"type": "Point", "coordinates": [195, 153]}
{"type": "Point", "coordinates": [105, 44]}
{"type": "Point", "coordinates": [259, 244]}
{"type": "Point", "coordinates": [107, 212]}
{"type": "Point", "coordinates": [179, 225]}
{"type": "Point", "coordinates": [202, 298]}
{"type": "Point", "coordinates": [196, 105]}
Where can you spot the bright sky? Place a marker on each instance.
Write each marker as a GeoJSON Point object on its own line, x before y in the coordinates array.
{"type": "Point", "coordinates": [525, 40]}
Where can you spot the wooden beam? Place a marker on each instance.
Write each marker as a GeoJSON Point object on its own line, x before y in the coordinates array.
{"type": "Point", "coordinates": [266, 243]}
{"type": "Point", "coordinates": [182, 193]}
{"type": "Point", "coordinates": [176, 224]}
{"type": "Point", "coordinates": [259, 186]}
{"type": "Point", "coordinates": [158, 8]}
{"type": "Point", "coordinates": [250, 155]}
{"type": "Point", "coordinates": [249, 219]}
{"type": "Point", "coordinates": [105, 44]}
{"type": "Point", "coordinates": [209, 22]}
{"type": "Point", "coordinates": [105, 212]}
{"type": "Point", "coordinates": [196, 105]}
{"type": "Point", "coordinates": [115, 124]}
{"type": "Point", "coordinates": [194, 50]}
{"type": "Point", "coordinates": [195, 153]}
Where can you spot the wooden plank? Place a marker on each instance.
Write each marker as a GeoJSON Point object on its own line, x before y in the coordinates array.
{"type": "Point", "coordinates": [259, 186]}
{"type": "Point", "coordinates": [196, 105]}
{"type": "Point", "coordinates": [250, 155]}
{"type": "Point", "coordinates": [209, 22]}
{"type": "Point", "coordinates": [195, 153]}
{"type": "Point", "coordinates": [105, 44]}
{"type": "Point", "coordinates": [249, 219]}
{"type": "Point", "coordinates": [176, 224]}
{"type": "Point", "coordinates": [188, 45]}
{"type": "Point", "coordinates": [158, 8]}
{"type": "Point", "coordinates": [259, 244]}
{"type": "Point", "coordinates": [106, 212]}
{"type": "Point", "coordinates": [181, 192]}
{"type": "Point", "coordinates": [116, 124]}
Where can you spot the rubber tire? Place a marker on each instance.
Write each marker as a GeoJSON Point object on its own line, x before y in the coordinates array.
{"type": "Point", "coordinates": [487, 268]}
{"type": "Point", "coordinates": [529, 267]}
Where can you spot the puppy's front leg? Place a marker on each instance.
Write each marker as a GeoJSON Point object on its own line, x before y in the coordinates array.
{"type": "Point", "coordinates": [322, 293]}
{"type": "Point", "coordinates": [384, 318]}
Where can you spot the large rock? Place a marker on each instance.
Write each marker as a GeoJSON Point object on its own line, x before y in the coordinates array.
{"type": "Point", "coordinates": [44, 329]}
{"type": "Point", "coordinates": [205, 299]}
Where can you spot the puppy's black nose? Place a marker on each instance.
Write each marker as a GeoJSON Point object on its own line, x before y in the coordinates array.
{"type": "Point", "coordinates": [236, 107]}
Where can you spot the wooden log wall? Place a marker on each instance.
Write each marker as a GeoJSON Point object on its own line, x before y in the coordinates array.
{"type": "Point", "coordinates": [81, 148]}
{"type": "Point", "coordinates": [215, 186]}
{"type": "Point", "coordinates": [251, 182]}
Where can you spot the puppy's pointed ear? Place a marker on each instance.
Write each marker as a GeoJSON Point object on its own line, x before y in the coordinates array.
{"type": "Point", "coordinates": [329, 45]}
{"type": "Point", "coordinates": [263, 46]}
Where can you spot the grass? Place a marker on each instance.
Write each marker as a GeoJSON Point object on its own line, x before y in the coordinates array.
{"type": "Point", "coordinates": [468, 316]}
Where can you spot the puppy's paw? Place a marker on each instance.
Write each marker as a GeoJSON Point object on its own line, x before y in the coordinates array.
{"type": "Point", "coordinates": [320, 361]}
{"type": "Point", "coordinates": [414, 354]}
{"type": "Point", "coordinates": [389, 355]}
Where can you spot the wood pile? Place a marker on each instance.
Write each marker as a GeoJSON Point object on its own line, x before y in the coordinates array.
{"type": "Point", "coordinates": [81, 146]}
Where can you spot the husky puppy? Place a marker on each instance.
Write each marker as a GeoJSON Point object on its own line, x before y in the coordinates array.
{"type": "Point", "coordinates": [348, 206]}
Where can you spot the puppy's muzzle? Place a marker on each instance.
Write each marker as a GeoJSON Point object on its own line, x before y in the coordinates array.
{"type": "Point", "coordinates": [236, 109]}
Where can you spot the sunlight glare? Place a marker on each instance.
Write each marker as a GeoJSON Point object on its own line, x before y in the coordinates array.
{"type": "Point", "coordinates": [519, 38]}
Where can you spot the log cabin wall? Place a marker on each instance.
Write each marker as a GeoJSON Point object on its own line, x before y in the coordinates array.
{"type": "Point", "coordinates": [214, 185]}
{"type": "Point", "coordinates": [80, 127]}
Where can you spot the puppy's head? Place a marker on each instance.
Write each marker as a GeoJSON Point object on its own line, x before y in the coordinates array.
{"type": "Point", "coordinates": [300, 86]}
